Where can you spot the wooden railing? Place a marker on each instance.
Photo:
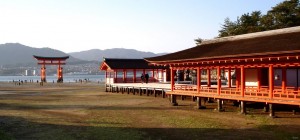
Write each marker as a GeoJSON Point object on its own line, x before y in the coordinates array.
{"type": "Point", "coordinates": [288, 93]}
{"type": "Point", "coordinates": [250, 91]}
{"type": "Point", "coordinates": [185, 87]}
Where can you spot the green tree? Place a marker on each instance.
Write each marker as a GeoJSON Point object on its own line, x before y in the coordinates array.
{"type": "Point", "coordinates": [228, 28]}
{"type": "Point", "coordinates": [283, 15]}
{"type": "Point", "coordinates": [198, 41]}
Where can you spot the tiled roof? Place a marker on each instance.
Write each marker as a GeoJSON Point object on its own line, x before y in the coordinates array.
{"type": "Point", "coordinates": [273, 42]}
{"type": "Point", "coordinates": [117, 63]}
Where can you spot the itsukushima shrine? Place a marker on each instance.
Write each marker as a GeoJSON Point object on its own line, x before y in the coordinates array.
{"type": "Point", "coordinates": [43, 61]}
{"type": "Point", "coordinates": [256, 67]}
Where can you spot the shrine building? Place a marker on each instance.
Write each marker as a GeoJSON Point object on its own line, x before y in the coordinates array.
{"type": "Point", "coordinates": [130, 70]}
{"type": "Point", "coordinates": [256, 67]}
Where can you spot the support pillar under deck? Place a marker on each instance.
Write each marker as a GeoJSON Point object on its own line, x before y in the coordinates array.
{"type": "Point", "coordinates": [271, 111]}
{"type": "Point", "coordinates": [173, 100]}
{"type": "Point", "coordinates": [220, 106]}
{"type": "Point", "coordinates": [199, 103]}
{"type": "Point", "coordinates": [243, 107]}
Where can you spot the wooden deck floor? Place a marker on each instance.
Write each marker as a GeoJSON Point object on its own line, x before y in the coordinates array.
{"type": "Point", "coordinates": [191, 90]}
{"type": "Point", "coordinates": [165, 86]}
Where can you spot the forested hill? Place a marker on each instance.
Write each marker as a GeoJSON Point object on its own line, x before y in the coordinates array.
{"type": "Point", "coordinates": [97, 54]}
{"type": "Point", "coordinates": [16, 54]}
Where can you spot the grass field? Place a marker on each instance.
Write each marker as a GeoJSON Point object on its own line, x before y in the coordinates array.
{"type": "Point", "coordinates": [84, 111]}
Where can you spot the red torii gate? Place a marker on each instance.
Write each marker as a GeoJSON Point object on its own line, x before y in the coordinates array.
{"type": "Point", "coordinates": [51, 61]}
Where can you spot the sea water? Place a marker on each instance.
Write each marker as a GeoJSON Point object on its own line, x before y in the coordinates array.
{"type": "Point", "coordinates": [67, 78]}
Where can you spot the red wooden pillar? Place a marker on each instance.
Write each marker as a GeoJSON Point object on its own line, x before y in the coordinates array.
{"type": "Point", "coordinates": [157, 75]}
{"type": "Point", "coordinates": [219, 80]}
{"type": "Point", "coordinates": [172, 79]}
{"type": "Point", "coordinates": [116, 76]}
{"type": "Point", "coordinates": [124, 76]}
{"type": "Point", "coordinates": [198, 79]}
{"type": "Point", "coordinates": [105, 77]}
{"type": "Point", "coordinates": [283, 82]}
{"type": "Point", "coordinates": [43, 73]}
{"type": "Point", "coordinates": [134, 75]}
{"type": "Point", "coordinates": [59, 74]}
{"type": "Point", "coordinates": [258, 79]}
{"type": "Point", "coordinates": [110, 77]}
{"type": "Point", "coordinates": [153, 77]}
{"type": "Point", "coordinates": [243, 81]}
{"type": "Point", "coordinates": [271, 81]}
{"type": "Point", "coordinates": [229, 77]}
{"type": "Point", "coordinates": [162, 75]}
{"type": "Point", "coordinates": [237, 78]}
{"type": "Point", "coordinates": [208, 77]}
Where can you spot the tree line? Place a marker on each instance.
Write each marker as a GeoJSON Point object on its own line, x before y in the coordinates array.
{"type": "Point", "coordinates": [283, 15]}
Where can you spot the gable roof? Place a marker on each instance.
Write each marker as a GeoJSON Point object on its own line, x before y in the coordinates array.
{"type": "Point", "coordinates": [281, 41]}
{"type": "Point", "coordinates": [117, 63]}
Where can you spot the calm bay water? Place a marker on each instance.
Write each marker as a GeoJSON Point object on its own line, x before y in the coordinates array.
{"type": "Point", "coordinates": [67, 78]}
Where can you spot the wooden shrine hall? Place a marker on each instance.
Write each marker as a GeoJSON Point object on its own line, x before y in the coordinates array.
{"type": "Point", "coordinates": [43, 61]}
{"type": "Point", "coordinates": [130, 71]}
{"type": "Point", "coordinates": [258, 67]}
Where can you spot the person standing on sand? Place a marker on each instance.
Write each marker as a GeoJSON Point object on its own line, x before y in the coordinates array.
{"type": "Point", "coordinates": [142, 78]}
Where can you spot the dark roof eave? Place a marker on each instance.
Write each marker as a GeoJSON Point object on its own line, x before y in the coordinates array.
{"type": "Point", "coordinates": [225, 56]}
{"type": "Point", "coordinates": [51, 58]}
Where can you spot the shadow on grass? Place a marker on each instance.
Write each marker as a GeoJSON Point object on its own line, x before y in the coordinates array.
{"type": "Point", "coordinates": [17, 106]}
{"type": "Point", "coordinates": [20, 128]}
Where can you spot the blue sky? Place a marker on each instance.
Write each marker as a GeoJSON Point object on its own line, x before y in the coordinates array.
{"type": "Point", "coordinates": [145, 25]}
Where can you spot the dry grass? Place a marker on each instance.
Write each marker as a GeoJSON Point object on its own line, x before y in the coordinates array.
{"type": "Point", "coordinates": [84, 111]}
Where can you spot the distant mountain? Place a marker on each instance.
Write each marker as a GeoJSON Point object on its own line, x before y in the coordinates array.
{"type": "Point", "coordinates": [16, 54]}
{"type": "Point", "coordinates": [97, 54]}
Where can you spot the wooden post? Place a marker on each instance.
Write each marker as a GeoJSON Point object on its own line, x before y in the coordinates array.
{"type": "Point", "coordinates": [243, 81]}
{"type": "Point", "coordinates": [173, 100]}
{"type": "Point", "coordinates": [219, 80]}
{"type": "Point", "coordinates": [153, 77]}
{"type": "Point", "coordinates": [163, 93]}
{"type": "Point", "coordinates": [134, 75]}
{"type": "Point", "coordinates": [283, 82]}
{"type": "Point", "coordinates": [243, 107]}
{"type": "Point", "coordinates": [106, 77]}
{"type": "Point", "coordinates": [124, 77]}
{"type": "Point", "coordinates": [238, 78]}
{"type": "Point", "coordinates": [198, 79]}
{"type": "Point", "coordinates": [271, 81]}
{"type": "Point", "coordinates": [172, 79]}
{"type": "Point", "coordinates": [157, 75]}
{"type": "Point", "coordinates": [208, 77]}
{"type": "Point", "coordinates": [59, 74]}
{"type": "Point", "coordinates": [116, 76]}
{"type": "Point", "coordinates": [220, 107]}
{"type": "Point", "coordinates": [141, 91]}
{"type": "Point", "coordinates": [43, 74]}
{"type": "Point", "coordinates": [271, 111]}
{"type": "Point", "coordinates": [199, 104]}
{"type": "Point", "coordinates": [266, 108]}
{"type": "Point", "coordinates": [110, 78]}
{"type": "Point", "coordinates": [229, 77]}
